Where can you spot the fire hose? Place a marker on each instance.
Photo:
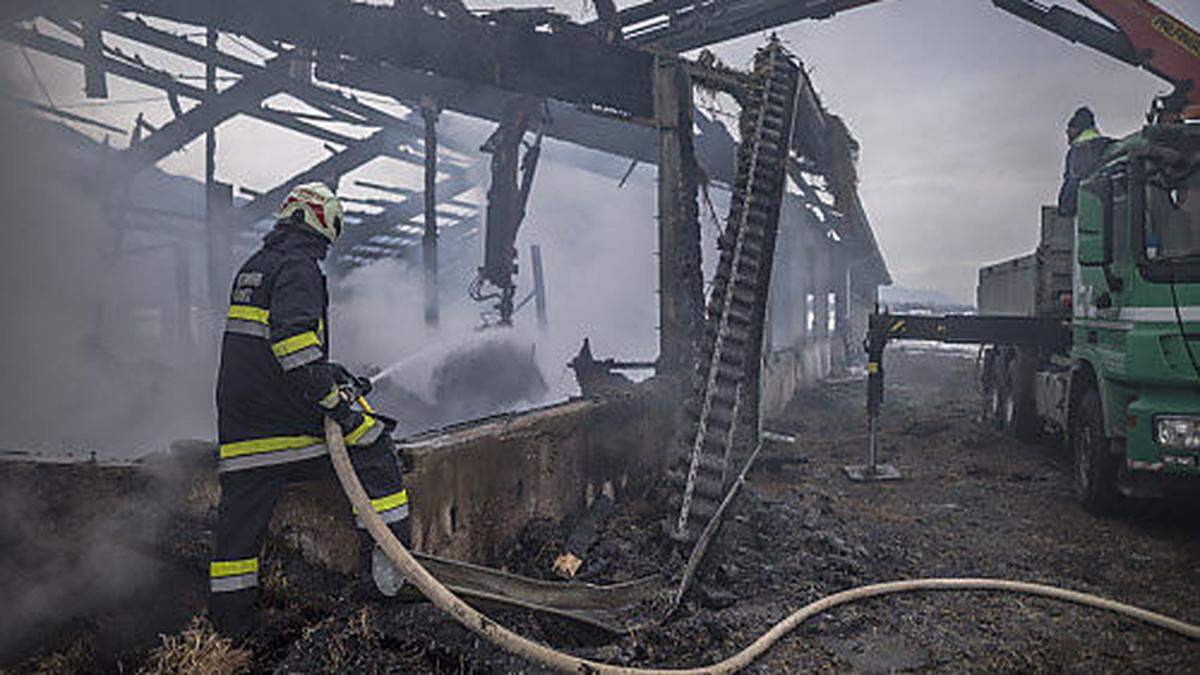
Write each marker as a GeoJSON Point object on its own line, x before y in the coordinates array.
{"type": "Point", "coordinates": [523, 647]}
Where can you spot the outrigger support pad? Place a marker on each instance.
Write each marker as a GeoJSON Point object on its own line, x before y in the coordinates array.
{"type": "Point", "coordinates": [873, 471]}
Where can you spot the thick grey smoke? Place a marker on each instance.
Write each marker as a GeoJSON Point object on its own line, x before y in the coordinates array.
{"type": "Point", "coordinates": [92, 353]}
{"type": "Point", "coordinates": [99, 559]}
{"type": "Point", "coordinates": [598, 248]}
{"type": "Point", "coordinates": [428, 376]}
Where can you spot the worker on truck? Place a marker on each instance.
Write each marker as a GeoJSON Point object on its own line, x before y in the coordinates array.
{"type": "Point", "coordinates": [275, 387]}
{"type": "Point", "coordinates": [1086, 148]}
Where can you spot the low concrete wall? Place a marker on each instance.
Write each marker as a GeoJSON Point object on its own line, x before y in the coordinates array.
{"type": "Point", "coordinates": [474, 489]}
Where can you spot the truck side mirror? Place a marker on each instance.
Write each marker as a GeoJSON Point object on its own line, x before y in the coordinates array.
{"type": "Point", "coordinates": [1094, 226]}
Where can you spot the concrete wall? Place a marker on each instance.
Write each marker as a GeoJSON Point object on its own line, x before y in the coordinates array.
{"type": "Point", "coordinates": [474, 489]}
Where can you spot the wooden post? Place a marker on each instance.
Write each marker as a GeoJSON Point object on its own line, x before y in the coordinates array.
{"type": "Point", "coordinates": [429, 241]}
{"type": "Point", "coordinates": [183, 296]}
{"type": "Point", "coordinates": [539, 286]}
{"type": "Point", "coordinates": [681, 287]}
{"type": "Point", "coordinates": [214, 213]}
{"type": "Point", "coordinates": [504, 206]}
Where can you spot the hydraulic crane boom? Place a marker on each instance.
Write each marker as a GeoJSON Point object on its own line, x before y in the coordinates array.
{"type": "Point", "coordinates": [1145, 36]}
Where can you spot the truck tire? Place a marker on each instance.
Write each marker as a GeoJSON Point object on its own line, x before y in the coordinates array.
{"type": "Point", "coordinates": [986, 385]}
{"type": "Point", "coordinates": [1095, 464]}
{"type": "Point", "coordinates": [1020, 410]}
{"type": "Point", "coordinates": [999, 394]}
{"type": "Point", "coordinates": [991, 387]}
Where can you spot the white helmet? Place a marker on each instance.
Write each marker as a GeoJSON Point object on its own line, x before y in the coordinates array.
{"type": "Point", "coordinates": [321, 209]}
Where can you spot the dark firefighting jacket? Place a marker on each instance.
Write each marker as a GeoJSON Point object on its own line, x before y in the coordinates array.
{"type": "Point", "coordinates": [1084, 155]}
{"type": "Point", "coordinates": [276, 382]}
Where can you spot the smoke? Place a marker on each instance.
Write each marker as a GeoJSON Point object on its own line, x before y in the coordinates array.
{"type": "Point", "coordinates": [427, 376]}
{"type": "Point", "coordinates": [599, 244]}
{"type": "Point", "coordinates": [106, 351]}
{"type": "Point", "coordinates": [91, 353]}
{"type": "Point", "coordinates": [79, 550]}
{"type": "Point", "coordinates": [598, 241]}
{"type": "Point", "coordinates": [110, 344]}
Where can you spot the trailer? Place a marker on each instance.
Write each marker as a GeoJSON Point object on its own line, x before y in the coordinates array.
{"type": "Point", "coordinates": [1035, 288]}
{"type": "Point", "coordinates": [1092, 339]}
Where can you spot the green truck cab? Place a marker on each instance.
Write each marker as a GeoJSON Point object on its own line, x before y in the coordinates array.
{"type": "Point", "coordinates": [1132, 412]}
{"type": "Point", "coordinates": [1094, 338]}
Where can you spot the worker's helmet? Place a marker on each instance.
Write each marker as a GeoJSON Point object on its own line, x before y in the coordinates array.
{"type": "Point", "coordinates": [1082, 120]}
{"type": "Point", "coordinates": [314, 205]}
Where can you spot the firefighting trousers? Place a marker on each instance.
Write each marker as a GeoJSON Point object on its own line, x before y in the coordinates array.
{"type": "Point", "coordinates": [247, 499]}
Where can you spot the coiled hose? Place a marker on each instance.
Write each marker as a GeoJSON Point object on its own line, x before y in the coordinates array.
{"type": "Point", "coordinates": [509, 641]}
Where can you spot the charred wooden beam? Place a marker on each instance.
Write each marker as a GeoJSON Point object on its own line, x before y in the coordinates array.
{"type": "Point", "coordinates": [163, 81]}
{"type": "Point", "coordinates": [513, 57]}
{"type": "Point", "coordinates": [95, 80]}
{"type": "Point", "coordinates": [683, 25]}
{"type": "Point", "coordinates": [681, 285]}
{"type": "Point", "coordinates": [505, 207]}
{"type": "Point", "coordinates": [564, 122]}
{"type": "Point", "coordinates": [217, 108]}
{"type": "Point", "coordinates": [823, 139]}
{"type": "Point", "coordinates": [385, 222]}
{"type": "Point", "coordinates": [429, 240]}
{"type": "Point", "coordinates": [333, 103]}
{"type": "Point", "coordinates": [356, 153]}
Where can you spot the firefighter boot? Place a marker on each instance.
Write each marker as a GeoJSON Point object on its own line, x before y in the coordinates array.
{"type": "Point", "coordinates": [377, 576]}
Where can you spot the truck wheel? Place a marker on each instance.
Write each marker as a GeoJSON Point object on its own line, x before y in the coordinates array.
{"type": "Point", "coordinates": [987, 387]}
{"type": "Point", "coordinates": [996, 396]}
{"type": "Point", "coordinates": [1020, 414]}
{"type": "Point", "coordinates": [1095, 466]}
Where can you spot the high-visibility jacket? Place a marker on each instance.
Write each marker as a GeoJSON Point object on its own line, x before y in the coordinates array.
{"type": "Point", "coordinates": [275, 382]}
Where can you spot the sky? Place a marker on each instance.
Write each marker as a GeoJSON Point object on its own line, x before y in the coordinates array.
{"type": "Point", "coordinates": [959, 109]}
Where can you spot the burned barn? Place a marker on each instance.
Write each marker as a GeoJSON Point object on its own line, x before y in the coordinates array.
{"type": "Point", "coordinates": [735, 284]}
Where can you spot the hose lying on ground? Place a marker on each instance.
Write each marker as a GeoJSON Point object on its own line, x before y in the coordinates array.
{"type": "Point", "coordinates": [504, 638]}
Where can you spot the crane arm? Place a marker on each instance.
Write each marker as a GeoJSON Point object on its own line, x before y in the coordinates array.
{"type": "Point", "coordinates": [1145, 36]}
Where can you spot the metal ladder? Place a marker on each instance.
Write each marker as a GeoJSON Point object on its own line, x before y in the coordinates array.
{"type": "Point", "coordinates": [722, 413]}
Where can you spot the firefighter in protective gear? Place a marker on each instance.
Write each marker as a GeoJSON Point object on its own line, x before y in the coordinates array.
{"type": "Point", "coordinates": [1087, 148]}
{"type": "Point", "coordinates": [275, 386]}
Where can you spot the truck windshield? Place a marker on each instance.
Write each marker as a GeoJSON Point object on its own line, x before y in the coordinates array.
{"type": "Point", "coordinates": [1173, 222]}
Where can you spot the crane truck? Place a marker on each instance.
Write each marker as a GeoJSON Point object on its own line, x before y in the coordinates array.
{"type": "Point", "coordinates": [1094, 338]}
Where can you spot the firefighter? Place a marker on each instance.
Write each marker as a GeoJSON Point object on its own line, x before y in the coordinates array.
{"type": "Point", "coordinates": [275, 386]}
{"type": "Point", "coordinates": [1086, 149]}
